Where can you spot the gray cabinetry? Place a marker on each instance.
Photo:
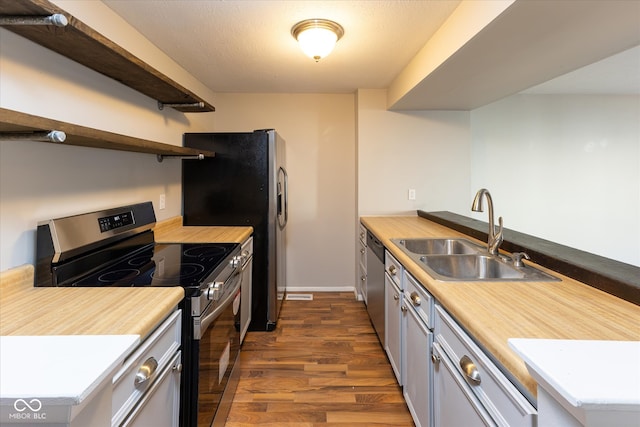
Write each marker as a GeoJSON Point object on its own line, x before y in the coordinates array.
{"type": "Point", "coordinates": [394, 329]}
{"type": "Point", "coordinates": [361, 282]}
{"type": "Point", "coordinates": [454, 404]}
{"type": "Point", "coordinates": [466, 380]}
{"type": "Point", "coordinates": [418, 387]}
{"type": "Point", "coordinates": [146, 390]}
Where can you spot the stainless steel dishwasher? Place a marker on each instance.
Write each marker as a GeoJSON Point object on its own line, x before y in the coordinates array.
{"type": "Point", "coordinates": [375, 284]}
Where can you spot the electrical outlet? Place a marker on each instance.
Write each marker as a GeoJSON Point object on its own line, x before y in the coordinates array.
{"type": "Point", "coordinates": [163, 202]}
{"type": "Point", "coordinates": [412, 194]}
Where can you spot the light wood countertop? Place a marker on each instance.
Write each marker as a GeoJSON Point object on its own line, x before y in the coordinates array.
{"type": "Point", "coordinates": [493, 312]}
{"type": "Point", "coordinates": [26, 310]}
{"type": "Point", "coordinates": [172, 231]}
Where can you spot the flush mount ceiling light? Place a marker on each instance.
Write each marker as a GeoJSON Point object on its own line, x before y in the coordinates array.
{"type": "Point", "coordinates": [317, 37]}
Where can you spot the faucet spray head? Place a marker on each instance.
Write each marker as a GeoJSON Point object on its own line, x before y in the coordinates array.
{"type": "Point", "coordinates": [476, 206]}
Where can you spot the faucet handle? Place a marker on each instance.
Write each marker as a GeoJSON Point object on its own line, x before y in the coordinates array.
{"type": "Point", "coordinates": [517, 258]}
{"type": "Point", "coordinates": [495, 239]}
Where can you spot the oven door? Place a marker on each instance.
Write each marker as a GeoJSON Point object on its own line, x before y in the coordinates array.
{"type": "Point", "coordinates": [216, 353]}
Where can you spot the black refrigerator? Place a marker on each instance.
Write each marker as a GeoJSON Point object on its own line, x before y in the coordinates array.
{"type": "Point", "coordinates": [244, 184]}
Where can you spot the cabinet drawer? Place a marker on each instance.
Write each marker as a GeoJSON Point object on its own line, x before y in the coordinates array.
{"type": "Point", "coordinates": [362, 234]}
{"type": "Point", "coordinates": [154, 353]}
{"type": "Point", "coordinates": [394, 269]}
{"type": "Point", "coordinates": [362, 255]}
{"type": "Point", "coordinates": [160, 406]}
{"type": "Point", "coordinates": [420, 299]}
{"type": "Point", "coordinates": [501, 399]}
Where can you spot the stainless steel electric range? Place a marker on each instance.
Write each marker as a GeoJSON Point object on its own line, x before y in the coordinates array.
{"type": "Point", "coordinates": [116, 248]}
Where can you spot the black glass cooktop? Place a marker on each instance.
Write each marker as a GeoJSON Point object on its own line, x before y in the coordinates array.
{"type": "Point", "coordinates": [174, 264]}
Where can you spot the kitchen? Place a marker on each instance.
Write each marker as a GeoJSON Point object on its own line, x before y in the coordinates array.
{"type": "Point", "coordinates": [337, 144]}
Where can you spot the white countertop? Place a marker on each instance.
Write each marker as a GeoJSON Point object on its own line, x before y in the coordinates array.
{"type": "Point", "coordinates": [40, 372]}
{"type": "Point", "coordinates": [586, 374]}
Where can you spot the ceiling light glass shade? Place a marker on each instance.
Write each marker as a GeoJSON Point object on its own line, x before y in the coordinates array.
{"type": "Point", "coordinates": [317, 37]}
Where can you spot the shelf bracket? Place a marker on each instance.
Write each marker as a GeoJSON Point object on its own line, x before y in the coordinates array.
{"type": "Point", "coordinates": [57, 19]}
{"type": "Point", "coordinates": [160, 157]}
{"type": "Point", "coordinates": [44, 136]}
{"type": "Point", "coordinates": [161, 105]}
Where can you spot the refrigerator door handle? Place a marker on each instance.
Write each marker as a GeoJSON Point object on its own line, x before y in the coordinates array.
{"type": "Point", "coordinates": [283, 215]}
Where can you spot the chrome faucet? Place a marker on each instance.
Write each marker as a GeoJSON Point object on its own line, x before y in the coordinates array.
{"type": "Point", "coordinates": [495, 239]}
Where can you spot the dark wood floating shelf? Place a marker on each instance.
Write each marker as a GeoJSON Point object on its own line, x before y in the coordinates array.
{"type": "Point", "coordinates": [608, 275]}
{"type": "Point", "coordinates": [86, 46]}
{"type": "Point", "coordinates": [20, 125]}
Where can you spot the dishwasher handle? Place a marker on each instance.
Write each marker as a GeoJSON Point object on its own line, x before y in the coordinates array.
{"type": "Point", "coordinates": [375, 245]}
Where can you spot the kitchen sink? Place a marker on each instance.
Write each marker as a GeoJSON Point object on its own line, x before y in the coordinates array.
{"type": "Point", "coordinates": [438, 246]}
{"type": "Point", "coordinates": [471, 267]}
{"type": "Point", "coordinates": [464, 261]}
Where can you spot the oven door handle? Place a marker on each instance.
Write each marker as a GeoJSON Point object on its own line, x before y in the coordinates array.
{"type": "Point", "coordinates": [208, 318]}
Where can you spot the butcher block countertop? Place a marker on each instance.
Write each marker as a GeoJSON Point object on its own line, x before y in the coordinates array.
{"type": "Point", "coordinates": [493, 312]}
{"type": "Point", "coordinates": [26, 310]}
{"type": "Point", "coordinates": [172, 231]}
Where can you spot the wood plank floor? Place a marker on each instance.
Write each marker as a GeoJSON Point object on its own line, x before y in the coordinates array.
{"type": "Point", "coordinates": [322, 367]}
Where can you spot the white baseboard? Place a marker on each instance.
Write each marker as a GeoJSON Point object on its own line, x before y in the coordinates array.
{"type": "Point", "coordinates": [296, 289]}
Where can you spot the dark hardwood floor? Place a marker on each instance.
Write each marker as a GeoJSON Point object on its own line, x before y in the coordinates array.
{"type": "Point", "coordinates": [322, 367]}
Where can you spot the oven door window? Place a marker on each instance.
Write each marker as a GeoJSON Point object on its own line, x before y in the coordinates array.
{"type": "Point", "coordinates": [219, 348]}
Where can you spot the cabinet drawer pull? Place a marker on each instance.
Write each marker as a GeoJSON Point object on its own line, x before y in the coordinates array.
{"type": "Point", "coordinates": [403, 308]}
{"type": "Point", "coordinates": [393, 270]}
{"type": "Point", "coordinates": [146, 371]}
{"type": "Point", "coordinates": [415, 299]}
{"type": "Point", "coordinates": [396, 297]}
{"type": "Point", "coordinates": [470, 370]}
{"type": "Point", "coordinates": [362, 251]}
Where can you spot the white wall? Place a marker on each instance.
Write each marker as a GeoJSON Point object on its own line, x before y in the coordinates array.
{"type": "Point", "coordinates": [39, 181]}
{"type": "Point", "coordinates": [428, 151]}
{"type": "Point", "coordinates": [564, 168]}
{"type": "Point", "coordinates": [320, 148]}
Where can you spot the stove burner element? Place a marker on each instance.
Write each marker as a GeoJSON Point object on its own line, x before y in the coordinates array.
{"type": "Point", "coordinates": [183, 271]}
{"type": "Point", "coordinates": [141, 260]}
{"type": "Point", "coordinates": [205, 251]}
{"type": "Point", "coordinates": [118, 275]}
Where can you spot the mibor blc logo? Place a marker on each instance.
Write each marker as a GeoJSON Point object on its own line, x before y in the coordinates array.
{"type": "Point", "coordinates": [27, 410]}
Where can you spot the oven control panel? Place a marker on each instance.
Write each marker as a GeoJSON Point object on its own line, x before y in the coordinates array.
{"type": "Point", "coordinates": [112, 222]}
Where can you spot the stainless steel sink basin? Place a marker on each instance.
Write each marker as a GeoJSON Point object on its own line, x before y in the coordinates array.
{"type": "Point", "coordinates": [471, 267]}
{"type": "Point", "coordinates": [464, 261]}
{"type": "Point", "coordinates": [438, 246]}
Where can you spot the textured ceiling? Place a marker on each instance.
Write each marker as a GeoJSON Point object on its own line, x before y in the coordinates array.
{"type": "Point", "coordinates": [246, 45]}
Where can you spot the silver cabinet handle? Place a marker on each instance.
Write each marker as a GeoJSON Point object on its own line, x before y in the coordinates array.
{"type": "Point", "coordinates": [435, 358]}
{"type": "Point", "coordinates": [393, 270]}
{"type": "Point", "coordinates": [403, 308]}
{"type": "Point", "coordinates": [146, 371]}
{"type": "Point", "coordinates": [396, 297]}
{"type": "Point", "coordinates": [363, 278]}
{"type": "Point", "coordinates": [362, 251]}
{"type": "Point", "coordinates": [470, 370]}
{"type": "Point", "coordinates": [415, 299]}
{"type": "Point", "coordinates": [177, 367]}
